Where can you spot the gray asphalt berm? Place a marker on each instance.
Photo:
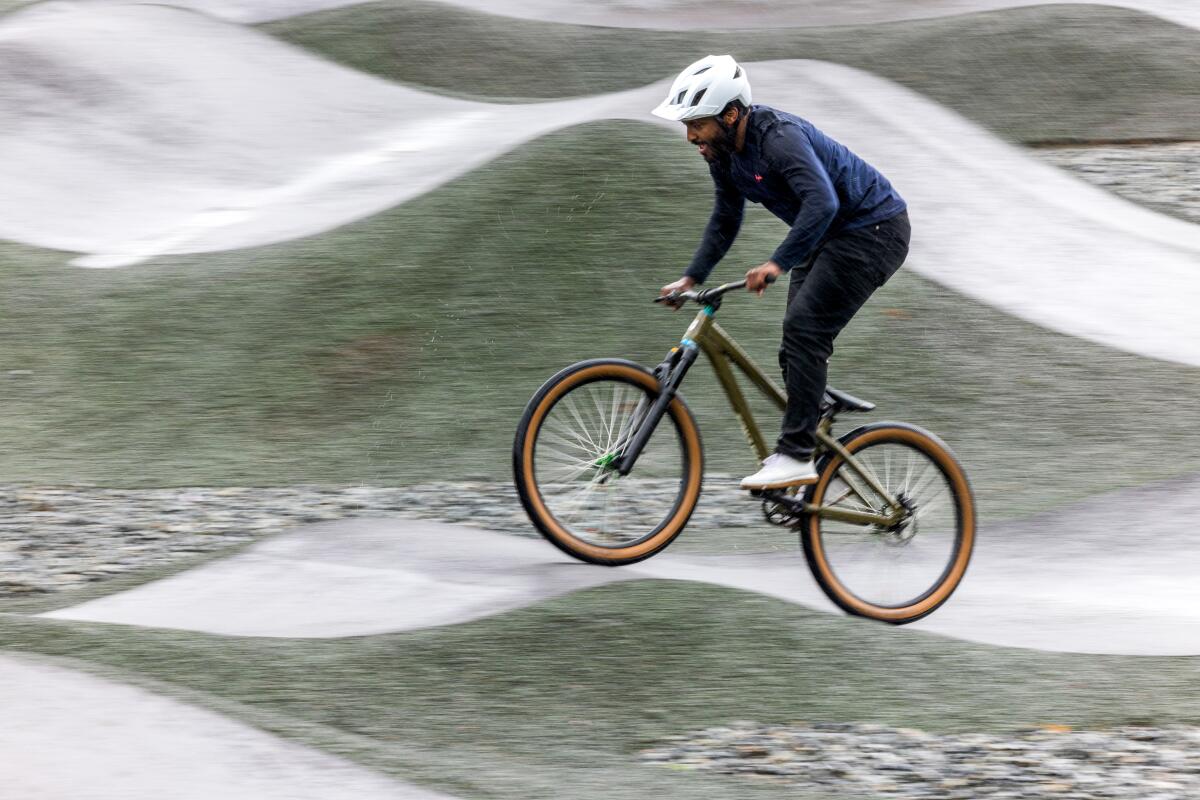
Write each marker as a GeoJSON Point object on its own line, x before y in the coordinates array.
{"type": "Point", "coordinates": [75, 736]}
{"type": "Point", "coordinates": [1086, 578]}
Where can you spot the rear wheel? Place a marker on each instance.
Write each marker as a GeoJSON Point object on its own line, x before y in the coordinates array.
{"type": "Point", "coordinates": [902, 572]}
{"type": "Point", "coordinates": [573, 432]}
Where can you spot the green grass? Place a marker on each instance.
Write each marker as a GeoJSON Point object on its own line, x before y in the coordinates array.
{"type": "Point", "coordinates": [403, 347]}
{"type": "Point", "coordinates": [564, 694]}
{"type": "Point", "coordinates": [1064, 73]}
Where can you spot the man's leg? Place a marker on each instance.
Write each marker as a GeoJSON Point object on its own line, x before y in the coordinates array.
{"type": "Point", "coordinates": [797, 276]}
{"type": "Point", "coordinates": [847, 270]}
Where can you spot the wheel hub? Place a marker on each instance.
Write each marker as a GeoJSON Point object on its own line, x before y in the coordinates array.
{"type": "Point", "coordinates": [903, 531]}
{"type": "Point", "coordinates": [606, 461]}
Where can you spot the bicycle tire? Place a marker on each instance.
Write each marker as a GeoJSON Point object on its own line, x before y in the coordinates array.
{"type": "Point", "coordinates": [814, 527]}
{"type": "Point", "coordinates": [524, 458]}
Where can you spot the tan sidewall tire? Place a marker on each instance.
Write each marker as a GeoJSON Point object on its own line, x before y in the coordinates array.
{"type": "Point", "coordinates": [527, 484]}
{"type": "Point", "coordinates": [815, 553]}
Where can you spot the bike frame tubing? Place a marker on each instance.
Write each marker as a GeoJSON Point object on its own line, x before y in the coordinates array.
{"type": "Point", "coordinates": [704, 334]}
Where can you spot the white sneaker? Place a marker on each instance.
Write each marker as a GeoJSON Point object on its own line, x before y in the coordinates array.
{"type": "Point", "coordinates": [780, 471]}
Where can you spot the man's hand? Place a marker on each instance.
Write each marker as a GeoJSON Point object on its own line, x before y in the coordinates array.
{"type": "Point", "coordinates": [682, 285]}
{"type": "Point", "coordinates": [756, 278]}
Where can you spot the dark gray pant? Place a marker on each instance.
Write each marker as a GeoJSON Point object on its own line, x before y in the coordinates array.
{"type": "Point", "coordinates": [824, 294]}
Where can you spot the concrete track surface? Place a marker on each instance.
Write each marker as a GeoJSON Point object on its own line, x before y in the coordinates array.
{"type": "Point", "coordinates": [693, 14]}
{"type": "Point", "coordinates": [144, 136]}
{"type": "Point", "coordinates": [1114, 574]}
{"type": "Point", "coordinates": [696, 14]}
{"type": "Point", "coordinates": [69, 735]}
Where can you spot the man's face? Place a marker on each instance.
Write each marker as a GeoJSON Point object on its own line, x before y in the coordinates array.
{"type": "Point", "coordinates": [714, 141]}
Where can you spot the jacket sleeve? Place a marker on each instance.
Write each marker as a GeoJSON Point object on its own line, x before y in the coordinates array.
{"type": "Point", "coordinates": [728, 209]}
{"type": "Point", "coordinates": [789, 153]}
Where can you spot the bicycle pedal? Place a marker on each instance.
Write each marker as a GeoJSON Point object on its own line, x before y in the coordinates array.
{"type": "Point", "coordinates": [781, 514]}
{"type": "Point", "coordinates": [768, 494]}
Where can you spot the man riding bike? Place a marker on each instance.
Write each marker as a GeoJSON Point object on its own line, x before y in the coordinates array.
{"type": "Point", "coordinates": [849, 234]}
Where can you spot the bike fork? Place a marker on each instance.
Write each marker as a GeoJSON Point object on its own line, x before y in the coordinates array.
{"type": "Point", "coordinates": [669, 375]}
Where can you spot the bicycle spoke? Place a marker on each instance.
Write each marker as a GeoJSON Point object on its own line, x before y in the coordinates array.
{"type": "Point", "coordinates": [842, 496]}
{"type": "Point", "coordinates": [614, 411]}
{"type": "Point", "coordinates": [567, 435]}
{"type": "Point", "coordinates": [845, 477]}
{"type": "Point", "coordinates": [566, 475]}
{"type": "Point", "coordinates": [561, 471]}
{"type": "Point", "coordinates": [928, 475]}
{"type": "Point", "coordinates": [582, 495]}
{"type": "Point", "coordinates": [558, 468]}
{"type": "Point", "coordinates": [934, 483]}
{"type": "Point", "coordinates": [603, 433]}
{"type": "Point", "coordinates": [928, 504]}
{"type": "Point", "coordinates": [583, 428]}
{"type": "Point", "coordinates": [550, 451]}
{"type": "Point", "coordinates": [604, 513]}
{"type": "Point", "coordinates": [851, 501]}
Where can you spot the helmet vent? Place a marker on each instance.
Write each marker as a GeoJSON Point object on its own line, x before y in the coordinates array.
{"type": "Point", "coordinates": [702, 69]}
{"type": "Point", "coordinates": [737, 73]}
{"type": "Point", "coordinates": [679, 97]}
{"type": "Point", "coordinates": [696, 99]}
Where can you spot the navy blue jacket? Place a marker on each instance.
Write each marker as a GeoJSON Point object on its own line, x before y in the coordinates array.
{"type": "Point", "coordinates": [800, 175]}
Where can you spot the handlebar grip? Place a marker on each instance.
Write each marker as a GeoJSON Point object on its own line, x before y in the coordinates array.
{"type": "Point", "coordinates": [674, 299]}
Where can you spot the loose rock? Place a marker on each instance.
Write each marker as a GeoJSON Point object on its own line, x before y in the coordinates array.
{"type": "Point", "coordinates": [879, 761]}
{"type": "Point", "coordinates": [55, 538]}
{"type": "Point", "coordinates": [1165, 177]}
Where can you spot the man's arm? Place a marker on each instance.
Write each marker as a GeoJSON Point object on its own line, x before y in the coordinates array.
{"type": "Point", "coordinates": [790, 153]}
{"type": "Point", "coordinates": [728, 209]}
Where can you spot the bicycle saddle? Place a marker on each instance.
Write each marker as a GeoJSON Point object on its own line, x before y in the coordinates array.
{"type": "Point", "coordinates": [841, 401]}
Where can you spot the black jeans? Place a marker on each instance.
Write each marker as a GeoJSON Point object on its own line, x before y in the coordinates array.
{"type": "Point", "coordinates": [824, 294]}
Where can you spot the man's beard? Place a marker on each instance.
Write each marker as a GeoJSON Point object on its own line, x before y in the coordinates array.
{"type": "Point", "coordinates": [724, 145]}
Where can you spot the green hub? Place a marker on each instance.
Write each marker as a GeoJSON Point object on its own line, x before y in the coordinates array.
{"type": "Point", "coordinates": [606, 461]}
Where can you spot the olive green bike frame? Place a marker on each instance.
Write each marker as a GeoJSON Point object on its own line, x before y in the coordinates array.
{"type": "Point", "coordinates": [722, 351]}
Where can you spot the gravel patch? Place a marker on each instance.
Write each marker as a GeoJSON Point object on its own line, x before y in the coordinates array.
{"type": "Point", "coordinates": [1165, 177]}
{"type": "Point", "coordinates": [1053, 761]}
{"type": "Point", "coordinates": [55, 538]}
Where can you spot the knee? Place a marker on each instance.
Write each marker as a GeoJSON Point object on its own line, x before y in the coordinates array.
{"type": "Point", "coordinates": [806, 340]}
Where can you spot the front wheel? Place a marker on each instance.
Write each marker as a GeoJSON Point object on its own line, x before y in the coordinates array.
{"type": "Point", "coordinates": [570, 438]}
{"type": "Point", "coordinates": [904, 571]}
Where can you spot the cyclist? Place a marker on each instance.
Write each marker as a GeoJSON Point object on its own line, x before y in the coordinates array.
{"type": "Point", "coordinates": [849, 234]}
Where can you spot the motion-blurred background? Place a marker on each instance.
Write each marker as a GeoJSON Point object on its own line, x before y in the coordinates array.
{"type": "Point", "coordinates": [266, 263]}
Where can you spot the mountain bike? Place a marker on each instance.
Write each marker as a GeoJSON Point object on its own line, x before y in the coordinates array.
{"type": "Point", "coordinates": [608, 464]}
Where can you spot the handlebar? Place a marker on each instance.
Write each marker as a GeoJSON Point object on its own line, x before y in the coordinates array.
{"type": "Point", "coordinates": [704, 297]}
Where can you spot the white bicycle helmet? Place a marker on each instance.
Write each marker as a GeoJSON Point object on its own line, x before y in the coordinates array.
{"type": "Point", "coordinates": [704, 89]}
